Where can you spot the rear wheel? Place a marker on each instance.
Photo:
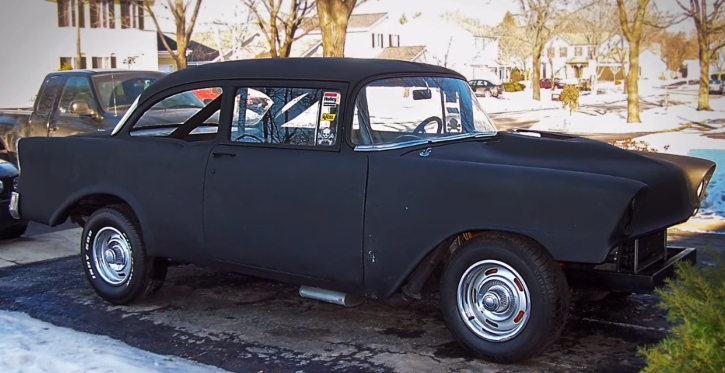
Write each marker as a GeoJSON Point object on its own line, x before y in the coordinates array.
{"type": "Point", "coordinates": [504, 298]}
{"type": "Point", "coordinates": [114, 257]}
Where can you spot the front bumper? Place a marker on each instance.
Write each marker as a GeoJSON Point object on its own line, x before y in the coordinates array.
{"type": "Point", "coordinates": [645, 281]}
{"type": "Point", "coordinates": [13, 205]}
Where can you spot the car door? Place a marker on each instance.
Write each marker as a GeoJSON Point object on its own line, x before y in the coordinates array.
{"type": "Point", "coordinates": [65, 122]}
{"type": "Point", "coordinates": [44, 107]}
{"type": "Point", "coordinates": [280, 194]}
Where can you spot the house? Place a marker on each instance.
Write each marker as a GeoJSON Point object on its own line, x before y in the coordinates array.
{"type": "Point", "coordinates": [413, 53]}
{"type": "Point", "coordinates": [470, 51]}
{"type": "Point", "coordinates": [197, 53]}
{"type": "Point", "coordinates": [615, 56]}
{"type": "Point", "coordinates": [570, 56]}
{"type": "Point", "coordinates": [368, 35]}
{"type": "Point", "coordinates": [113, 34]}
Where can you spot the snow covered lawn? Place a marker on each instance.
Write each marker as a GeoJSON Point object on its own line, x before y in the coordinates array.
{"type": "Point", "coordinates": [28, 345]}
{"type": "Point", "coordinates": [653, 120]}
{"type": "Point", "coordinates": [518, 101]}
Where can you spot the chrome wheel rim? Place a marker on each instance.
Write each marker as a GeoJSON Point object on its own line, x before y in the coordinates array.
{"type": "Point", "coordinates": [112, 256]}
{"type": "Point", "coordinates": [493, 300]}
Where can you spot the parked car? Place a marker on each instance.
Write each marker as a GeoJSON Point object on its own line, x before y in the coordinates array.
{"type": "Point", "coordinates": [716, 86]}
{"type": "Point", "coordinates": [485, 88]}
{"type": "Point", "coordinates": [73, 102]}
{"type": "Point", "coordinates": [350, 184]}
{"type": "Point", "coordinates": [208, 94]}
{"type": "Point", "coordinates": [9, 226]}
{"type": "Point", "coordinates": [546, 83]}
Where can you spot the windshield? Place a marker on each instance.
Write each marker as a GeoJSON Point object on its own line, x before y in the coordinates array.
{"type": "Point", "coordinates": [407, 111]}
{"type": "Point", "coordinates": [117, 91]}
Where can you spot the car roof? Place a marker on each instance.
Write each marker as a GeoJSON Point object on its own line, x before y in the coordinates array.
{"type": "Point", "coordinates": [350, 70]}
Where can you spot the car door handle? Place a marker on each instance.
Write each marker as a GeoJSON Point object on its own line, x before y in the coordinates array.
{"type": "Point", "coordinates": [221, 154]}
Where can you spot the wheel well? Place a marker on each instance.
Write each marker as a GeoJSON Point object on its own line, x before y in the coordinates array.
{"type": "Point", "coordinates": [421, 275]}
{"type": "Point", "coordinates": [88, 205]}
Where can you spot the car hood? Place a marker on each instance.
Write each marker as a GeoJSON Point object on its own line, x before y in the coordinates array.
{"type": "Point", "coordinates": [673, 182]}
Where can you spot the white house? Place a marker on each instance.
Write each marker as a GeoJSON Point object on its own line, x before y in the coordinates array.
{"type": "Point", "coordinates": [44, 37]}
{"type": "Point", "coordinates": [367, 36]}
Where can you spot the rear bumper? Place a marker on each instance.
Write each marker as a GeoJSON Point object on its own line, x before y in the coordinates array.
{"type": "Point", "coordinates": [645, 281]}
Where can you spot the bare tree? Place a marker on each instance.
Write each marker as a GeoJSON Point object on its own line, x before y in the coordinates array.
{"type": "Point", "coordinates": [635, 17]}
{"type": "Point", "coordinates": [599, 26]}
{"type": "Point", "coordinates": [230, 37]}
{"type": "Point", "coordinates": [513, 46]}
{"type": "Point", "coordinates": [184, 29]}
{"type": "Point", "coordinates": [544, 19]}
{"type": "Point", "coordinates": [676, 48]}
{"type": "Point", "coordinates": [709, 22]}
{"type": "Point", "coordinates": [279, 28]}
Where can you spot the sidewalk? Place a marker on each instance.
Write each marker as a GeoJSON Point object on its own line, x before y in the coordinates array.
{"type": "Point", "coordinates": [25, 250]}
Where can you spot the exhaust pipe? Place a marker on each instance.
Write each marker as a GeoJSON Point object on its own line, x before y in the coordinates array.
{"type": "Point", "coordinates": [329, 296]}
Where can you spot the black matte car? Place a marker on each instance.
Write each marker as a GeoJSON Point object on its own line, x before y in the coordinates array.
{"type": "Point", "coordinates": [358, 179]}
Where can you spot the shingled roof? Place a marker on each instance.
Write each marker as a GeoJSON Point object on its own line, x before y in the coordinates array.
{"type": "Point", "coordinates": [357, 21]}
{"type": "Point", "coordinates": [401, 53]}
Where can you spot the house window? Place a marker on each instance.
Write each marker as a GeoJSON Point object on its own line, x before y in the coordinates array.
{"type": "Point", "coordinates": [66, 61]}
{"type": "Point", "coordinates": [590, 53]}
{"type": "Point", "coordinates": [551, 52]}
{"type": "Point", "coordinates": [286, 116]}
{"type": "Point", "coordinates": [578, 51]}
{"type": "Point", "coordinates": [125, 14]}
{"type": "Point", "coordinates": [380, 40]}
{"type": "Point", "coordinates": [64, 13]}
{"type": "Point", "coordinates": [393, 40]}
{"type": "Point", "coordinates": [81, 13]}
{"type": "Point", "coordinates": [113, 61]}
{"type": "Point", "coordinates": [140, 15]}
{"type": "Point", "coordinates": [95, 11]}
{"type": "Point", "coordinates": [111, 14]}
{"type": "Point", "coordinates": [562, 52]}
{"type": "Point", "coordinates": [84, 62]}
{"type": "Point", "coordinates": [97, 62]}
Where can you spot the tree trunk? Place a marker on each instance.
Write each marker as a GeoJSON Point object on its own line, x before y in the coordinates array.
{"type": "Point", "coordinates": [334, 33]}
{"type": "Point", "coordinates": [632, 84]}
{"type": "Point", "coordinates": [703, 96]}
{"type": "Point", "coordinates": [535, 79]}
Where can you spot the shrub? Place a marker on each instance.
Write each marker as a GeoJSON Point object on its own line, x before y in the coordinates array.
{"type": "Point", "coordinates": [65, 67]}
{"type": "Point", "coordinates": [516, 75]}
{"type": "Point", "coordinates": [512, 87]}
{"type": "Point", "coordinates": [523, 86]}
{"type": "Point", "coordinates": [695, 302]}
{"type": "Point", "coordinates": [617, 82]}
{"type": "Point", "coordinates": [570, 97]}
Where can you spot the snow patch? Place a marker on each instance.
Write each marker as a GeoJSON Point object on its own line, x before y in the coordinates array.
{"type": "Point", "coordinates": [653, 120]}
{"type": "Point", "coordinates": [29, 346]}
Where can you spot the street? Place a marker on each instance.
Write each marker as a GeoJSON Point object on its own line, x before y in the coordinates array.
{"type": "Point", "coordinates": [244, 324]}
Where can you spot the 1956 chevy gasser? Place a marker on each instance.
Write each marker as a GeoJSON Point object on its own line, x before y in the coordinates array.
{"type": "Point", "coordinates": [359, 178]}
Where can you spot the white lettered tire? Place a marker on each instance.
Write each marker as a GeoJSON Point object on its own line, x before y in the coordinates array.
{"type": "Point", "coordinates": [504, 298]}
{"type": "Point", "coordinates": [114, 257]}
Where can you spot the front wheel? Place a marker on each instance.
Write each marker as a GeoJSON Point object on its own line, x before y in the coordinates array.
{"type": "Point", "coordinates": [504, 298]}
{"type": "Point", "coordinates": [114, 257]}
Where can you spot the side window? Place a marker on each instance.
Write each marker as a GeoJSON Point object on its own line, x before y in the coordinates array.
{"type": "Point", "coordinates": [289, 116]}
{"type": "Point", "coordinates": [76, 89]}
{"type": "Point", "coordinates": [180, 115]}
{"type": "Point", "coordinates": [47, 97]}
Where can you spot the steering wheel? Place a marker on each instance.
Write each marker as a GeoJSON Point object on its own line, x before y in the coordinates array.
{"type": "Point", "coordinates": [421, 127]}
{"type": "Point", "coordinates": [247, 134]}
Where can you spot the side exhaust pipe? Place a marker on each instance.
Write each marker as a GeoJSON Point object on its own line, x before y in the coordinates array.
{"type": "Point", "coordinates": [329, 296]}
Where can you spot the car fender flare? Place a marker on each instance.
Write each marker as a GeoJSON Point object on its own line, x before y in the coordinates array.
{"type": "Point", "coordinates": [63, 211]}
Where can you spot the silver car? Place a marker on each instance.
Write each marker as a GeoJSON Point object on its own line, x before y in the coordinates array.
{"type": "Point", "coordinates": [716, 86]}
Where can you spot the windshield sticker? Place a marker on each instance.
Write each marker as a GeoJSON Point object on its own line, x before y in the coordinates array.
{"type": "Point", "coordinates": [331, 99]}
{"type": "Point", "coordinates": [328, 117]}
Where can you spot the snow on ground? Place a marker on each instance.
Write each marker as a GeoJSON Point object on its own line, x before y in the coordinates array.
{"type": "Point", "coordinates": [28, 345]}
{"type": "Point", "coordinates": [653, 120]}
{"type": "Point", "coordinates": [518, 101]}
{"type": "Point", "coordinates": [692, 144]}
